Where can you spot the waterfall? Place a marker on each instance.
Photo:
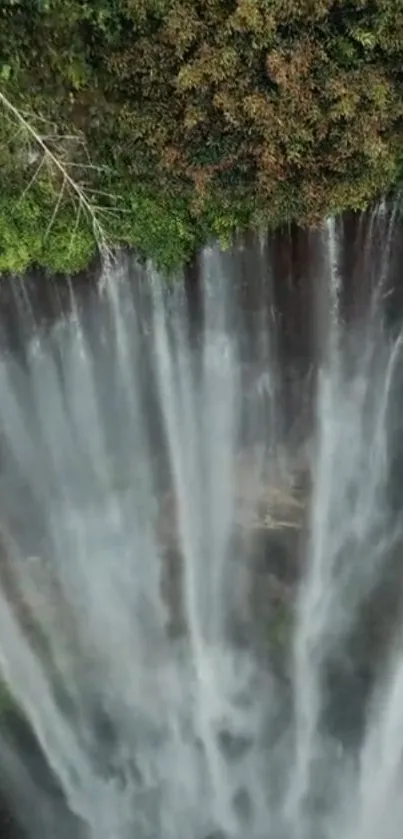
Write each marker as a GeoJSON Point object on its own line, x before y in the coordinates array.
{"type": "Point", "coordinates": [183, 582]}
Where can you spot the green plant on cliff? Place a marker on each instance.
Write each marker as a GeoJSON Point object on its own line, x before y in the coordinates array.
{"type": "Point", "coordinates": [201, 118]}
{"type": "Point", "coordinates": [7, 701]}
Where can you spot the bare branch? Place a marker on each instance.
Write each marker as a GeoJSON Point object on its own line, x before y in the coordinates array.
{"type": "Point", "coordinates": [49, 156]}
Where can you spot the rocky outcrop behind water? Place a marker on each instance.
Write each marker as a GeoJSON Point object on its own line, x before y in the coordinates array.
{"type": "Point", "coordinates": [267, 550]}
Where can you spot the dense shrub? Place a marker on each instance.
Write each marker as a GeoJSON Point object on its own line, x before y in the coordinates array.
{"type": "Point", "coordinates": [201, 117]}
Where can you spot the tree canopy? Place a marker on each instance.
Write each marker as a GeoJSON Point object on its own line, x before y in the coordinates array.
{"type": "Point", "coordinates": [185, 119]}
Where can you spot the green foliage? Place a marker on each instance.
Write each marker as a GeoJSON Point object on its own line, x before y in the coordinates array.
{"type": "Point", "coordinates": [201, 118]}
{"type": "Point", "coordinates": [25, 237]}
{"type": "Point", "coordinates": [157, 225]}
{"type": "Point", "coordinates": [7, 701]}
{"type": "Point", "coordinates": [279, 628]}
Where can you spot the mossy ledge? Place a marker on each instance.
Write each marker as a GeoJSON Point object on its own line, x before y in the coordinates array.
{"type": "Point", "coordinates": [159, 124]}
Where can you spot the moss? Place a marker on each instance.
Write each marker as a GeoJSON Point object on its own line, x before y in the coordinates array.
{"type": "Point", "coordinates": [159, 226]}
{"type": "Point", "coordinates": [26, 236]}
{"type": "Point", "coordinates": [8, 704]}
{"type": "Point", "coordinates": [280, 627]}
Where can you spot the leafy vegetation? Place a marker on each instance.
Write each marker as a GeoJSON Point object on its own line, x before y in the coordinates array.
{"type": "Point", "coordinates": [177, 120]}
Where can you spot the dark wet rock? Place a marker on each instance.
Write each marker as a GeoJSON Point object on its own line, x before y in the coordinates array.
{"type": "Point", "coordinates": [10, 827]}
{"type": "Point", "coordinates": [34, 802]}
{"type": "Point", "coordinates": [352, 669]}
{"type": "Point", "coordinates": [275, 554]}
{"type": "Point", "coordinates": [242, 804]}
{"type": "Point", "coordinates": [218, 833]}
{"type": "Point", "coordinates": [233, 746]}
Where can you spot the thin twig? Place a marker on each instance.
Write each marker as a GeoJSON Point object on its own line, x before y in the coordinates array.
{"type": "Point", "coordinates": [74, 233]}
{"type": "Point", "coordinates": [33, 179]}
{"type": "Point", "coordinates": [71, 137]}
{"type": "Point", "coordinates": [100, 192]}
{"type": "Point", "coordinates": [87, 166]}
{"type": "Point", "coordinates": [56, 210]}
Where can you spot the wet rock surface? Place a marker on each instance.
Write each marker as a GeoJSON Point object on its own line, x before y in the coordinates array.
{"type": "Point", "coordinates": [267, 554]}
{"type": "Point", "coordinates": [31, 801]}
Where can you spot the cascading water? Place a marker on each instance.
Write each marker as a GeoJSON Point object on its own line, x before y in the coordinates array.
{"type": "Point", "coordinates": [148, 507]}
